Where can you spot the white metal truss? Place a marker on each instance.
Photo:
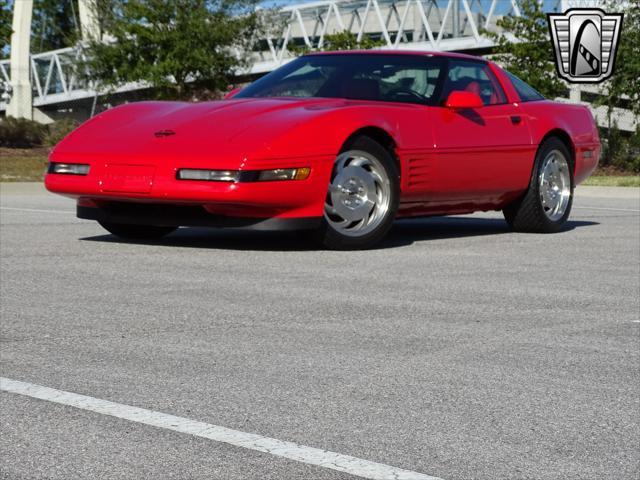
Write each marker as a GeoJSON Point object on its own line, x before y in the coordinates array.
{"type": "Point", "coordinates": [437, 25]}
{"type": "Point", "coordinates": [53, 77]}
{"type": "Point", "coordinates": [416, 24]}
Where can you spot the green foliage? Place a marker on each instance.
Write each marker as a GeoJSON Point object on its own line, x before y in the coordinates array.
{"type": "Point", "coordinates": [344, 40]}
{"type": "Point", "coordinates": [623, 89]}
{"type": "Point", "coordinates": [620, 151]}
{"type": "Point", "coordinates": [182, 48]}
{"type": "Point", "coordinates": [22, 166]}
{"type": "Point", "coordinates": [55, 24]}
{"type": "Point", "coordinates": [58, 130]}
{"type": "Point", "coordinates": [21, 133]}
{"type": "Point", "coordinates": [612, 181]}
{"type": "Point", "coordinates": [633, 151]}
{"type": "Point", "coordinates": [6, 18]}
{"type": "Point", "coordinates": [530, 58]}
{"type": "Point", "coordinates": [626, 77]}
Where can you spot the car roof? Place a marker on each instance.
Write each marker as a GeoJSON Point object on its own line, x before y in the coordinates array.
{"type": "Point", "coordinates": [401, 52]}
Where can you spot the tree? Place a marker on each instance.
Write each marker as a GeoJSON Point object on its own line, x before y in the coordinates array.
{"type": "Point", "coordinates": [181, 48]}
{"type": "Point", "coordinates": [6, 18]}
{"type": "Point", "coordinates": [529, 55]}
{"type": "Point", "coordinates": [623, 89]}
{"type": "Point", "coordinates": [625, 81]}
{"type": "Point", "coordinates": [54, 25]}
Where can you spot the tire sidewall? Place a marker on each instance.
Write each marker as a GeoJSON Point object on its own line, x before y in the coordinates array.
{"type": "Point", "coordinates": [546, 147]}
{"type": "Point", "coordinates": [333, 238]}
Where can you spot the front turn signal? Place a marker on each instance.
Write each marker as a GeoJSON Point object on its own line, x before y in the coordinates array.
{"type": "Point", "coordinates": [279, 174]}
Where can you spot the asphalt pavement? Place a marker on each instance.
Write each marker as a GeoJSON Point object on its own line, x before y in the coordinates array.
{"type": "Point", "coordinates": [457, 349]}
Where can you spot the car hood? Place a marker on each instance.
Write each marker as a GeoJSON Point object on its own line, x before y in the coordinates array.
{"type": "Point", "coordinates": [228, 130]}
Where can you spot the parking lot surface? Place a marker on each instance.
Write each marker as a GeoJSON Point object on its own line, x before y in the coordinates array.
{"type": "Point", "coordinates": [457, 349]}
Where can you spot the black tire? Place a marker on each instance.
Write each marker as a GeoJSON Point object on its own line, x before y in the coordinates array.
{"type": "Point", "coordinates": [334, 239]}
{"type": "Point", "coordinates": [527, 214]}
{"type": "Point", "coordinates": [137, 232]}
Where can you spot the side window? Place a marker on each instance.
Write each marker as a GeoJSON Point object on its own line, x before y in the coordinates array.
{"type": "Point", "coordinates": [409, 83]}
{"type": "Point", "coordinates": [473, 77]}
{"type": "Point", "coordinates": [525, 91]}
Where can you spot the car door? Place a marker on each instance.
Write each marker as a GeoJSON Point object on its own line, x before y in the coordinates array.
{"type": "Point", "coordinates": [480, 153]}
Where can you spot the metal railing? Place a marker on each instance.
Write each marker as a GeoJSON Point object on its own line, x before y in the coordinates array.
{"type": "Point", "coordinates": [430, 23]}
{"type": "Point", "coordinates": [409, 24]}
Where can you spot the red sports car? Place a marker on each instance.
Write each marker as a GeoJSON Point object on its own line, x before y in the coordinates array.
{"type": "Point", "coordinates": [339, 142]}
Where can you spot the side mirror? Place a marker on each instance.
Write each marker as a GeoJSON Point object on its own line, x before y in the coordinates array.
{"type": "Point", "coordinates": [459, 99]}
{"type": "Point", "coordinates": [232, 93]}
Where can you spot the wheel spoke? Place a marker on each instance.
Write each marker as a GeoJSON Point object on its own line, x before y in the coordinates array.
{"type": "Point", "coordinates": [554, 185]}
{"type": "Point", "coordinates": [359, 194]}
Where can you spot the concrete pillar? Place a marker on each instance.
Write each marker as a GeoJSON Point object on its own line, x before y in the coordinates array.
{"type": "Point", "coordinates": [21, 103]}
{"type": "Point", "coordinates": [575, 93]}
{"type": "Point", "coordinates": [89, 24]}
{"type": "Point", "coordinates": [455, 12]}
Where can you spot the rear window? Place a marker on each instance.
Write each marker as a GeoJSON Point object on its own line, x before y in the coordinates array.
{"type": "Point", "coordinates": [526, 92]}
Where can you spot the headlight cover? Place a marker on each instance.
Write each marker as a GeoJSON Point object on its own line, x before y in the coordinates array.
{"type": "Point", "coordinates": [208, 175]}
{"type": "Point", "coordinates": [246, 176]}
{"type": "Point", "coordinates": [68, 168]}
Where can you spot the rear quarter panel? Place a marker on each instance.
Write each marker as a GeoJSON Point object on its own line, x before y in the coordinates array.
{"type": "Point", "coordinates": [576, 121]}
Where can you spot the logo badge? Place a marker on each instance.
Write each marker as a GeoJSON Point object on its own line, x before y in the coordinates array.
{"type": "Point", "coordinates": [164, 133]}
{"type": "Point", "coordinates": [585, 41]}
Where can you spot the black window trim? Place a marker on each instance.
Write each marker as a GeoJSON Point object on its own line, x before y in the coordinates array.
{"type": "Point", "coordinates": [509, 76]}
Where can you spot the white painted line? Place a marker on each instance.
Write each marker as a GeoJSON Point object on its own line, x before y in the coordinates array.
{"type": "Point", "coordinates": [292, 451]}
{"type": "Point", "coordinates": [608, 209]}
{"type": "Point", "coordinates": [36, 210]}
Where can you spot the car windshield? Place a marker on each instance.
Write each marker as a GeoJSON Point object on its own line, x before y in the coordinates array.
{"type": "Point", "coordinates": [387, 78]}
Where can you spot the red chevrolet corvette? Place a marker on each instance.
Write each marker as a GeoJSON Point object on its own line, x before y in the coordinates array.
{"type": "Point", "coordinates": [342, 143]}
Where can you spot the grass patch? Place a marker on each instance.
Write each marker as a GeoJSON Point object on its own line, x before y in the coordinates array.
{"type": "Point", "coordinates": [22, 165]}
{"type": "Point", "coordinates": [613, 181]}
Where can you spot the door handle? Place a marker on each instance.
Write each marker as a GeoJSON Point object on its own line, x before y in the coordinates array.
{"type": "Point", "coordinates": [516, 119]}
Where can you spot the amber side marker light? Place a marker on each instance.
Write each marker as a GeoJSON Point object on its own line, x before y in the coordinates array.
{"type": "Point", "coordinates": [247, 176]}
{"type": "Point", "coordinates": [284, 174]}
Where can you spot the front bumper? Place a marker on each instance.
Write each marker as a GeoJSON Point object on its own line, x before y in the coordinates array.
{"type": "Point", "coordinates": [158, 185]}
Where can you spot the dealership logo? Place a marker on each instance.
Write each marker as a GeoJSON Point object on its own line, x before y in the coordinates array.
{"type": "Point", "coordinates": [585, 42]}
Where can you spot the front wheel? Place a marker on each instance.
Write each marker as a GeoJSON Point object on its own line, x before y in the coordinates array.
{"type": "Point", "coordinates": [137, 232]}
{"type": "Point", "coordinates": [547, 204]}
{"type": "Point", "coordinates": [362, 198]}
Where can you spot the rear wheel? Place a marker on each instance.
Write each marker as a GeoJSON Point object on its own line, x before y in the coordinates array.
{"type": "Point", "coordinates": [137, 232]}
{"type": "Point", "coordinates": [362, 198]}
{"type": "Point", "coordinates": [547, 204]}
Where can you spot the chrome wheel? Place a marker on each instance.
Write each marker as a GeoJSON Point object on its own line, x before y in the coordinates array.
{"type": "Point", "coordinates": [555, 185]}
{"type": "Point", "coordinates": [359, 194]}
